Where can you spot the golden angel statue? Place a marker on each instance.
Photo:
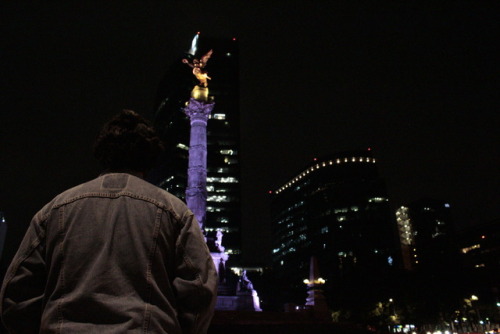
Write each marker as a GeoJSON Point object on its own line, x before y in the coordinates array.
{"type": "Point", "coordinates": [197, 65]}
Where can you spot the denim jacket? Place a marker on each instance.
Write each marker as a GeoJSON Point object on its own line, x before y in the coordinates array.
{"type": "Point", "coordinates": [113, 255]}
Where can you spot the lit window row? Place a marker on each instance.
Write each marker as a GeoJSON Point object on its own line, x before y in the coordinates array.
{"type": "Point", "coordinates": [321, 165]}
{"type": "Point", "coordinates": [220, 117]}
{"type": "Point", "coordinates": [378, 200]}
{"type": "Point", "coordinates": [345, 254]}
{"type": "Point", "coordinates": [295, 206]}
{"type": "Point", "coordinates": [468, 249]}
{"type": "Point", "coordinates": [222, 179]}
{"type": "Point", "coordinates": [222, 229]}
{"type": "Point", "coordinates": [183, 146]}
{"type": "Point", "coordinates": [217, 198]}
{"type": "Point", "coordinates": [228, 152]}
{"type": "Point", "coordinates": [211, 188]}
{"type": "Point", "coordinates": [212, 209]}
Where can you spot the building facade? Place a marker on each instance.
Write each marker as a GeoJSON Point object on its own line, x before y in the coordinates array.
{"type": "Point", "coordinates": [480, 254]}
{"type": "Point", "coordinates": [337, 210]}
{"type": "Point", "coordinates": [223, 138]}
{"type": "Point", "coordinates": [427, 235]}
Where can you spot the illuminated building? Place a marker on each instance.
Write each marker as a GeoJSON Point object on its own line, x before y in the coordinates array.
{"type": "Point", "coordinates": [223, 169]}
{"type": "Point", "coordinates": [337, 210]}
{"type": "Point", "coordinates": [426, 234]}
{"type": "Point", "coordinates": [480, 253]}
{"type": "Point", "coordinates": [406, 238]}
{"type": "Point", "coordinates": [480, 246]}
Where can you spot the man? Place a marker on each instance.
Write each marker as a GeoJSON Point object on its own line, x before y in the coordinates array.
{"type": "Point", "coordinates": [113, 255]}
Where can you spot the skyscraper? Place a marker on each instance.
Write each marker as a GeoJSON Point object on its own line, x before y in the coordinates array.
{"type": "Point", "coordinates": [336, 209]}
{"type": "Point", "coordinates": [427, 235]}
{"type": "Point", "coordinates": [223, 169]}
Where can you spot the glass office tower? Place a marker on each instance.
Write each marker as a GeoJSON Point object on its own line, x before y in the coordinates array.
{"type": "Point", "coordinates": [336, 209]}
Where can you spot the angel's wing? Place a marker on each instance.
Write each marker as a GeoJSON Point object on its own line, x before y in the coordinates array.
{"type": "Point", "coordinates": [206, 57]}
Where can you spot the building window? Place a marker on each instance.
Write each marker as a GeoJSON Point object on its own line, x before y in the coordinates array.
{"type": "Point", "coordinates": [228, 152]}
{"type": "Point", "coordinates": [230, 161]}
{"type": "Point", "coordinates": [183, 147]}
{"type": "Point", "coordinates": [220, 117]}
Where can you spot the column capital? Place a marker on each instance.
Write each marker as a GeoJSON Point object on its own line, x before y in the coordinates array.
{"type": "Point", "coordinates": [198, 110]}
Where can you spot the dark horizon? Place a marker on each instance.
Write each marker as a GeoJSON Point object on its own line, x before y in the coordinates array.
{"type": "Point", "coordinates": [417, 85]}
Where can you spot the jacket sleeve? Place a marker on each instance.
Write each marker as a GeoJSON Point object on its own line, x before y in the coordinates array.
{"type": "Point", "coordinates": [195, 279]}
{"type": "Point", "coordinates": [22, 290]}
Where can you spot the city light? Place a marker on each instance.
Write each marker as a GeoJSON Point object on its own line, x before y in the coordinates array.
{"type": "Point", "coordinates": [316, 281]}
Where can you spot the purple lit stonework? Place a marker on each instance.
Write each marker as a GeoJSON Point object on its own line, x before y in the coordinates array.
{"type": "Point", "coordinates": [246, 297]}
{"type": "Point", "coordinates": [198, 110]}
{"type": "Point", "coordinates": [196, 192]}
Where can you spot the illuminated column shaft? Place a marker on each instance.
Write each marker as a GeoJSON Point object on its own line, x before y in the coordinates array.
{"type": "Point", "coordinates": [196, 191]}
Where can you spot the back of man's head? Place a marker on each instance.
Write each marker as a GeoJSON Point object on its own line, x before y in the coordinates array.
{"type": "Point", "coordinates": [127, 142]}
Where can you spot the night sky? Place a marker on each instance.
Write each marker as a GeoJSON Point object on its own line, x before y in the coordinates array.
{"type": "Point", "coordinates": [417, 85]}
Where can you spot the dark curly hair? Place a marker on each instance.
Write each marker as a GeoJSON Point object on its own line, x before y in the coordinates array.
{"type": "Point", "coordinates": [127, 142]}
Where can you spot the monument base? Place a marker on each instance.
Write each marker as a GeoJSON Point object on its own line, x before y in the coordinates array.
{"type": "Point", "coordinates": [247, 302]}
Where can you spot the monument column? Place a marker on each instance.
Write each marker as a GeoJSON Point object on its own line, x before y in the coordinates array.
{"type": "Point", "coordinates": [196, 191]}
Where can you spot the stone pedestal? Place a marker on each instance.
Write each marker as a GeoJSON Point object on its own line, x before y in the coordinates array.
{"type": "Point", "coordinates": [247, 302]}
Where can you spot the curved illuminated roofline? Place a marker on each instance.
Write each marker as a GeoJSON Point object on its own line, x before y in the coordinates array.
{"type": "Point", "coordinates": [326, 163]}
